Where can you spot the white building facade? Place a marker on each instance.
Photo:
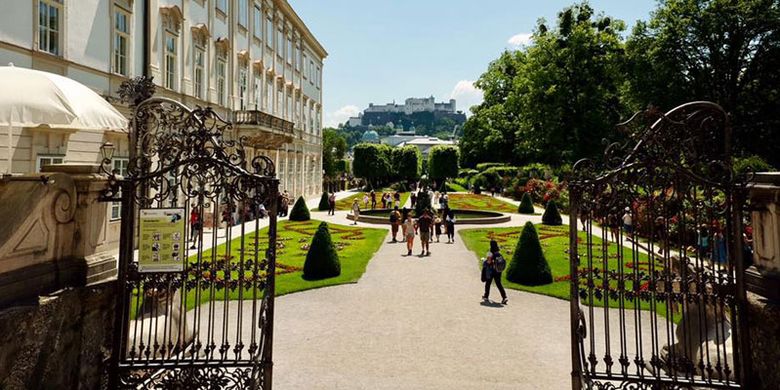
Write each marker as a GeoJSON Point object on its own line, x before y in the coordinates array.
{"type": "Point", "coordinates": [412, 105]}
{"type": "Point", "coordinates": [254, 61]}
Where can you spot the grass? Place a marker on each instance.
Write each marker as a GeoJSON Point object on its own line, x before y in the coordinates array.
{"type": "Point", "coordinates": [346, 203]}
{"type": "Point", "coordinates": [480, 202]}
{"type": "Point", "coordinates": [555, 243]}
{"type": "Point", "coordinates": [355, 246]}
{"type": "Point", "coordinates": [455, 187]}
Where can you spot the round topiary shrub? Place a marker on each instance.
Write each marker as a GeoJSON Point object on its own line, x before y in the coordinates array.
{"type": "Point", "coordinates": [551, 215]}
{"type": "Point", "coordinates": [529, 266]}
{"type": "Point", "coordinates": [324, 205]}
{"type": "Point", "coordinates": [322, 260]}
{"type": "Point", "coordinates": [299, 211]}
{"type": "Point", "coordinates": [526, 204]}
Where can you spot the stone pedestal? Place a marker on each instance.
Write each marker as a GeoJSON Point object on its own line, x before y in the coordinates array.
{"type": "Point", "coordinates": [763, 277]}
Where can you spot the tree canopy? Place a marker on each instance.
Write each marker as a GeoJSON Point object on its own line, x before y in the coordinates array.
{"type": "Point", "coordinates": [556, 100]}
{"type": "Point", "coordinates": [334, 146]}
{"type": "Point", "coordinates": [407, 162]}
{"type": "Point", "coordinates": [443, 162]}
{"type": "Point", "coordinates": [371, 162]}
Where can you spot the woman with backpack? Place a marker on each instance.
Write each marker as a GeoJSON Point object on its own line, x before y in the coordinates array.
{"type": "Point", "coordinates": [492, 267]}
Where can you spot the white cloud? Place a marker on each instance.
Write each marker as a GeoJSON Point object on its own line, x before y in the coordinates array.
{"type": "Point", "coordinates": [467, 95]}
{"type": "Point", "coordinates": [520, 40]}
{"type": "Point", "coordinates": [333, 119]}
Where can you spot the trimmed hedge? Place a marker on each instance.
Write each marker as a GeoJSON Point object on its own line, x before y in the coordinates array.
{"type": "Point", "coordinates": [483, 166]}
{"type": "Point", "coordinates": [551, 215]}
{"type": "Point", "coordinates": [526, 204]}
{"type": "Point", "coordinates": [299, 211]}
{"type": "Point", "coordinates": [529, 267]}
{"type": "Point", "coordinates": [322, 259]}
{"type": "Point", "coordinates": [324, 205]}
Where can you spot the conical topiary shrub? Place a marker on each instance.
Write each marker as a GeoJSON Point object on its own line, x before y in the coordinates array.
{"type": "Point", "coordinates": [299, 211]}
{"type": "Point", "coordinates": [529, 266]}
{"type": "Point", "coordinates": [526, 204]}
{"type": "Point", "coordinates": [551, 215]}
{"type": "Point", "coordinates": [324, 205]}
{"type": "Point", "coordinates": [322, 260]}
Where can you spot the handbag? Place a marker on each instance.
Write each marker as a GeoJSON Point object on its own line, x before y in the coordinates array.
{"type": "Point", "coordinates": [485, 271]}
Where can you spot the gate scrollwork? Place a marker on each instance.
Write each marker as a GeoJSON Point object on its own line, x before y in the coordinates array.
{"type": "Point", "coordinates": [210, 324]}
{"type": "Point", "coordinates": [657, 271]}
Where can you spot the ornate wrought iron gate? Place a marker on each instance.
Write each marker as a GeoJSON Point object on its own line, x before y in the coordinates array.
{"type": "Point", "coordinates": [657, 294]}
{"type": "Point", "coordinates": [197, 303]}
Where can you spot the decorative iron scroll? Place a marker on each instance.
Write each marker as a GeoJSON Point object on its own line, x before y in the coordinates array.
{"type": "Point", "coordinates": [656, 272]}
{"type": "Point", "coordinates": [209, 326]}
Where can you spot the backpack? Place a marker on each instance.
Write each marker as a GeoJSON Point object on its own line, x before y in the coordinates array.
{"type": "Point", "coordinates": [499, 263]}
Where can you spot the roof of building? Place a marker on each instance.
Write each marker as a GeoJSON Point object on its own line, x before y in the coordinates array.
{"type": "Point", "coordinates": [370, 136]}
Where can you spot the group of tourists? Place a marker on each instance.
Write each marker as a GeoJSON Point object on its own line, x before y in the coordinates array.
{"type": "Point", "coordinates": [284, 204]}
{"type": "Point", "coordinates": [429, 225]}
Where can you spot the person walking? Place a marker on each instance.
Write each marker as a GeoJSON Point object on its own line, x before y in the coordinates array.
{"type": "Point", "coordinates": [196, 225]}
{"type": "Point", "coordinates": [437, 226]}
{"type": "Point", "coordinates": [397, 199]}
{"type": "Point", "coordinates": [450, 224]}
{"type": "Point", "coordinates": [366, 199]}
{"type": "Point", "coordinates": [492, 267]}
{"type": "Point", "coordinates": [332, 204]}
{"type": "Point", "coordinates": [395, 222]}
{"type": "Point", "coordinates": [373, 199]}
{"type": "Point", "coordinates": [413, 197]}
{"type": "Point", "coordinates": [425, 226]}
{"type": "Point", "coordinates": [408, 230]}
{"type": "Point", "coordinates": [628, 222]}
{"type": "Point", "coordinates": [355, 210]}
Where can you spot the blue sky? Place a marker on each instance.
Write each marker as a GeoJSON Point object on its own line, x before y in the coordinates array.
{"type": "Point", "coordinates": [380, 51]}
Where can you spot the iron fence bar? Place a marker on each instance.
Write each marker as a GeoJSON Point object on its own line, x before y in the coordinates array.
{"type": "Point", "coordinates": [125, 258]}
{"type": "Point", "coordinates": [574, 309]}
{"type": "Point", "coordinates": [270, 289]}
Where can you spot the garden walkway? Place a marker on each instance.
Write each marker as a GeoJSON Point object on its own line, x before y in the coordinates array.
{"type": "Point", "coordinates": [419, 323]}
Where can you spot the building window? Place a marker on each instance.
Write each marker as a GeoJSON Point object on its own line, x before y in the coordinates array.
{"type": "Point", "coordinates": [198, 62]}
{"type": "Point", "coordinates": [48, 160]}
{"type": "Point", "coordinates": [269, 31]}
{"type": "Point", "coordinates": [243, 13]}
{"type": "Point", "coordinates": [280, 42]}
{"type": "Point", "coordinates": [305, 65]}
{"type": "Point", "coordinates": [297, 57]}
{"type": "Point", "coordinates": [318, 77]}
{"type": "Point", "coordinates": [311, 72]}
{"type": "Point", "coordinates": [280, 101]}
{"type": "Point", "coordinates": [257, 93]}
{"type": "Point", "coordinates": [222, 5]}
{"type": "Point", "coordinates": [120, 168]}
{"type": "Point", "coordinates": [289, 108]}
{"type": "Point", "coordinates": [49, 26]}
{"type": "Point", "coordinates": [221, 72]}
{"type": "Point", "coordinates": [269, 96]}
{"type": "Point", "coordinates": [257, 16]}
{"type": "Point", "coordinates": [121, 39]}
{"type": "Point", "coordinates": [170, 61]}
{"type": "Point", "coordinates": [289, 50]}
{"type": "Point", "coordinates": [242, 81]}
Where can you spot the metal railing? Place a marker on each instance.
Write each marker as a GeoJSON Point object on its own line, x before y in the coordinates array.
{"type": "Point", "coordinates": [260, 118]}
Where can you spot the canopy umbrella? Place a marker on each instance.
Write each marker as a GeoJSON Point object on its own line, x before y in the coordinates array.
{"type": "Point", "coordinates": [32, 98]}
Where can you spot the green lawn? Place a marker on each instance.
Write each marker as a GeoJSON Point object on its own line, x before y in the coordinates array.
{"type": "Point", "coordinates": [455, 187]}
{"type": "Point", "coordinates": [346, 203]}
{"type": "Point", "coordinates": [355, 246]}
{"type": "Point", "coordinates": [480, 202]}
{"type": "Point", "coordinates": [555, 243]}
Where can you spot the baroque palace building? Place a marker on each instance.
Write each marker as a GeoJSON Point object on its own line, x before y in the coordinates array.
{"type": "Point", "coordinates": [254, 61]}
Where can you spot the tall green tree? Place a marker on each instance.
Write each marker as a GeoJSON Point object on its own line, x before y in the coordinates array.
{"type": "Point", "coordinates": [334, 146]}
{"type": "Point", "coordinates": [443, 163]}
{"type": "Point", "coordinates": [371, 162]}
{"type": "Point", "coordinates": [406, 162]}
{"type": "Point", "coordinates": [555, 100]}
{"type": "Point", "coordinates": [726, 51]}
